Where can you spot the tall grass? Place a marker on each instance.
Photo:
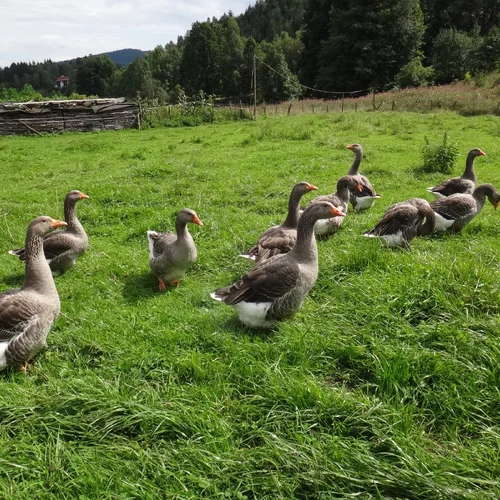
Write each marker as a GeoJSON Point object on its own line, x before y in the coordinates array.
{"type": "Point", "coordinates": [385, 384]}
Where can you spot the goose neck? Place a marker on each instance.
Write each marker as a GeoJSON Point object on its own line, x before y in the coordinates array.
{"type": "Point", "coordinates": [38, 276]}
{"type": "Point", "coordinates": [358, 155]}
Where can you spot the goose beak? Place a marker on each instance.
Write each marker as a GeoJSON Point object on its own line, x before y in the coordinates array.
{"type": "Point", "coordinates": [496, 204]}
{"type": "Point", "coordinates": [54, 223]}
{"type": "Point", "coordinates": [310, 187]}
{"type": "Point", "coordinates": [83, 196]}
{"type": "Point", "coordinates": [196, 220]}
{"type": "Point", "coordinates": [482, 153]}
{"type": "Point", "coordinates": [351, 147]}
{"type": "Point", "coordinates": [337, 212]}
{"type": "Point", "coordinates": [359, 188]}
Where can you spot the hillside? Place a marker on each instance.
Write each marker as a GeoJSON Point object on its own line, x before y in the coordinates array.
{"type": "Point", "coordinates": [124, 57]}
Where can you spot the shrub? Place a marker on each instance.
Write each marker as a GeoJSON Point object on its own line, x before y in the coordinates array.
{"type": "Point", "coordinates": [440, 158]}
{"type": "Point", "coordinates": [414, 74]}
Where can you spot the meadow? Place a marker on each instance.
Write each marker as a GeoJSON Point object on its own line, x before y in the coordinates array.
{"type": "Point", "coordinates": [385, 384]}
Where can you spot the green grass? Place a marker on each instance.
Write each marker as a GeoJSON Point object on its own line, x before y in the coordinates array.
{"type": "Point", "coordinates": [385, 385]}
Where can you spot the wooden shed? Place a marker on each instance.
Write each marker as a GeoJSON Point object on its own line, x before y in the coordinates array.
{"type": "Point", "coordinates": [81, 115]}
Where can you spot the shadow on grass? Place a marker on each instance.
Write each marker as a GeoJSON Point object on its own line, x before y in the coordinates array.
{"type": "Point", "coordinates": [143, 285]}
{"type": "Point", "coordinates": [236, 327]}
{"type": "Point", "coordinates": [14, 280]}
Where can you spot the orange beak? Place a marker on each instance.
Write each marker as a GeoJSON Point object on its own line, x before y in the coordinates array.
{"type": "Point", "coordinates": [310, 187]}
{"type": "Point", "coordinates": [83, 196]}
{"type": "Point", "coordinates": [482, 153]}
{"type": "Point", "coordinates": [351, 147]}
{"type": "Point", "coordinates": [196, 220]}
{"type": "Point", "coordinates": [54, 223]}
{"type": "Point", "coordinates": [337, 212]}
{"type": "Point", "coordinates": [496, 204]}
{"type": "Point", "coordinates": [359, 188]}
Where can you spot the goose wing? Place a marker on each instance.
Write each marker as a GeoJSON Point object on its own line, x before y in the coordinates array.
{"type": "Point", "coordinates": [454, 207]}
{"type": "Point", "coordinates": [17, 312]}
{"type": "Point", "coordinates": [453, 186]}
{"type": "Point", "coordinates": [265, 283]}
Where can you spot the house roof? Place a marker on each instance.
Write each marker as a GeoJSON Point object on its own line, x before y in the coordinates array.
{"type": "Point", "coordinates": [62, 78]}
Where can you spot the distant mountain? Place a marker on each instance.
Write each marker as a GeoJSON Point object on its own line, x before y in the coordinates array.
{"type": "Point", "coordinates": [125, 56]}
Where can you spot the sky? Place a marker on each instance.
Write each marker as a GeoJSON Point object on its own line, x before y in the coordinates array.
{"type": "Point", "coordinates": [36, 30]}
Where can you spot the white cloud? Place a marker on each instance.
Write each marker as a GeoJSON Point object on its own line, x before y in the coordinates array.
{"type": "Point", "coordinates": [58, 30]}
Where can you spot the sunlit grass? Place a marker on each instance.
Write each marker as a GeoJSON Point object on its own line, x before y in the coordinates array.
{"type": "Point", "coordinates": [385, 385]}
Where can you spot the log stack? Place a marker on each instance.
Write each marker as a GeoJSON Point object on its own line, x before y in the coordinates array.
{"type": "Point", "coordinates": [82, 115]}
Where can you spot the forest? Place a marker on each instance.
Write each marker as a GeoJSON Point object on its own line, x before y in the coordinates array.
{"type": "Point", "coordinates": [301, 48]}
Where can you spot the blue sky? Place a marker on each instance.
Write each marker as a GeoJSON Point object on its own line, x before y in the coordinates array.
{"type": "Point", "coordinates": [35, 30]}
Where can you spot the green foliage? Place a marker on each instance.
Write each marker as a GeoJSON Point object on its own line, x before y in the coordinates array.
{"type": "Point", "coordinates": [275, 80]}
{"type": "Point", "coordinates": [414, 74]}
{"type": "Point", "coordinates": [374, 48]}
{"type": "Point", "coordinates": [439, 158]}
{"type": "Point", "coordinates": [489, 51]}
{"type": "Point", "coordinates": [94, 74]}
{"type": "Point", "coordinates": [455, 54]}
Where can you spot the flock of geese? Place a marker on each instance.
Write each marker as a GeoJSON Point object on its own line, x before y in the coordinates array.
{"type": "Point", "coordinates": [285, 257]}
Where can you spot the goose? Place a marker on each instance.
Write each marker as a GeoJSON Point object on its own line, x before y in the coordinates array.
{"type": "Point", "coordinates": [281, 239]}
{"type": "Point", "coordinates": [276, 288]}
{"type": "Point", "coordinates": [27, 313]}
{"type": "Point", "coordinates": [62, 248]}
{"type": "Point", "coordinates": [366, 197]}
{"type": "Point", "coordinates": [466, 183]}
{"type": "Point", "coordinates": [457, 210]}
{"type": "Point", "coordinates": [340, 200]}
{"type": "Point", "coordinates": [403, 221]}
{"type": "Point", "coordinates": [171, 255]}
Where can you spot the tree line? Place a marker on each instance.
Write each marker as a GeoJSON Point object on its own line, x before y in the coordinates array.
{"type": "Point", "coordinates": [301, 47]}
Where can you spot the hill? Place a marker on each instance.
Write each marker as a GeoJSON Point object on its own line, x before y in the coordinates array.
{"type": "Point", "coordinates": [125, 56]}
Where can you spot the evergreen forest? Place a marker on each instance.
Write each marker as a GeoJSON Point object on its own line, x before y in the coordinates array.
{"type": "Point", "coordinates": [299, 48]}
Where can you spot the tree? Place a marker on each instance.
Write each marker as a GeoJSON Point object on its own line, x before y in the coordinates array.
{"type": "Point", "coordinates": [93, 74]}
{"type": "Point", "coordinates": [164, 64]}
{"type": "Point", "coordinates": [382, 36]}
{"type": "Point", "coordinates": [201, 59]}
{"type": "Point", "coordinates": [231, 58]}
{"type": "Point", "coordinates": [315, 31]}
{"type": "Point", "coordinates": [275, 81]}
{"type": "Point", "coordinates": [136, 81]}
{"type": "Point", "coordinates": [455, 53]}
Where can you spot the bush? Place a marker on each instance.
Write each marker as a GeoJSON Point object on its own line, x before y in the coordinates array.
{"type": "Point", "coordinates": [414, 74]}
{"type": "Point", "coordinates": [440, 158]}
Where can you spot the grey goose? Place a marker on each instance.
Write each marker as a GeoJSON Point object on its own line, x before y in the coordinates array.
{"type": "Point", "coordinates": [281, 239]}
{"type": "Point", "coordinates": [340, 200]}
{"type": "Point", "coordinates": [457, 210]}
{"type": "Point", "coordinates": [62, 248]}
{"type": "Point", "coordinates": [27, 313]}
{"type": "Point", "coordinates": [171, 255]}
{"type": "Point", "coordinates": [276, 288]}
{"type": "Point", "coordinates": [403, 221]}
{"type": "Point", "coordinates": [466, 183]}
{"type": "Point", "coordinates": [365, 198]}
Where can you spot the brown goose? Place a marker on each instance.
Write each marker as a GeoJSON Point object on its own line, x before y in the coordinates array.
{"type": "Point", "coordinates": [27, 313]}
{"type": "Point", "coordinates": [62, 248]}
{"type": "Point", "coordinates": [276, 288]}
{"type": "Point", "coordinates": [340, 200]}
{"type": "Point", "coordinates": [281, 239]}
{"type": "Point", "coordinates": [171, 255]}
{"type": "Point", "coordinates": [457, 210]}
{"type": "Point", "coordinates": [466, 183]}
{"type": "Point", "coordinates": [403, 221]}
{"type": "Point", "coordinates": [365, 198]}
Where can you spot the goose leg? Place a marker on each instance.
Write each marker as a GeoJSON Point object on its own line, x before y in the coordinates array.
{"type": "Point", "coordinates": [161, 284]}
{"type": "Point", "coordinates": [174, 282]}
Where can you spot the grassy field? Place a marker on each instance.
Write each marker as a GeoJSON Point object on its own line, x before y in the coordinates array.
{"type": "Point", "coordinates": [385, 385]}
